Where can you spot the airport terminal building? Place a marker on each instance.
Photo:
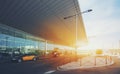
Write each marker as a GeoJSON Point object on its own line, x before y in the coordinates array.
{"type": "Point", "coordinates": [27, 25]}
{"type": "Point", "coordinates": [12, 39]}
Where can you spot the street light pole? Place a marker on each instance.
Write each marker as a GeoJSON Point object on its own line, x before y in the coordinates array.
{"type": "Point", "coordinates": [76, 15]}
{"type": "Point", "coordinates": [76, 32]}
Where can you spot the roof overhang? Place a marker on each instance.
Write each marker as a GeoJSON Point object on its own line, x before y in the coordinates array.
{"type": "Point", "coordinates": [44, 18]}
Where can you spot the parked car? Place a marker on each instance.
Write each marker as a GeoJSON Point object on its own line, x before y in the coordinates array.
{"type": "Point", "coordinates": [55, 54]}
{"type": "Point", "coordinates": [25, 57]}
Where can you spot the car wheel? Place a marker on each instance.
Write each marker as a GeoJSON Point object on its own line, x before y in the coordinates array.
{"type": "Point", "coordinates": [34, 59]}
{"type": "Point", "coordinates": [19, 60]}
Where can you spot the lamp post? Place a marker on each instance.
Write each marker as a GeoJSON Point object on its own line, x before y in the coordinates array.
{"type": "Point", "coordinates": [89, 10]}
{"type": "Point", "coordinates": [76, 15]}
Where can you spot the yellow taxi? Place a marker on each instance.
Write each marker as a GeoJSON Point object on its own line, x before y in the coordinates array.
{"type": "Point", "coordinates": [25, 57]}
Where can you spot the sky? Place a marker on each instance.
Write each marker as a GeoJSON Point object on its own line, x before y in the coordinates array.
{"type": "Point", "coordinates": [102, 24]}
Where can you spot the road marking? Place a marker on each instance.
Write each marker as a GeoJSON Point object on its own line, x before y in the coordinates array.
{"type": "Point", "coordinates": [49, 72]}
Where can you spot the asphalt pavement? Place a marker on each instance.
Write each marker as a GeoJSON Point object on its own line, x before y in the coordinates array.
{"type": "Point", "coordinates": [41, 66]}
{"type": "Point", "coordinates": [49, 66]}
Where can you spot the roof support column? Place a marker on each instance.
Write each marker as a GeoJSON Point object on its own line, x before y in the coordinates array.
{"type": "Point", "coordinates": [76, 24]}
{"type": "Point", "coordinates": [45, 47]}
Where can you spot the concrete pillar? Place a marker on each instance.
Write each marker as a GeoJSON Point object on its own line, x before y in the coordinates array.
{"type": "Point", "coordinates": [38, 45]}
{"type": "Point", "coordinates": [45, 47]}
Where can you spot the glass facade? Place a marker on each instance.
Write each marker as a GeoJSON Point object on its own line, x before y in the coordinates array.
{"type": "Point", "coordinates": [12, 40]}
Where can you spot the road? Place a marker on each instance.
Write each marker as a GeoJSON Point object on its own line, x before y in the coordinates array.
{"type": "Point", "coordinates": [48, 66]}
{"type": "Point", "coordinates": [33, 67]}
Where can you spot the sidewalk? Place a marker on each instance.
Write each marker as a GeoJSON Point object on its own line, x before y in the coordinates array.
{"type": "Point", "coordinates": [87, 62]}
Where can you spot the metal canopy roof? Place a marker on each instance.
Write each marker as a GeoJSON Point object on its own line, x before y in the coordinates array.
{"type": "Point", "coordinates": [44, 18]}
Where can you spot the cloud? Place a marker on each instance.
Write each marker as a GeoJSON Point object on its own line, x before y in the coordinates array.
{"type": "Point", "coordinates": [101, 18]}
{"type": "Point", "coordinates": [102, 24]}
{"type": "Point", "coordinates": [97, 27]}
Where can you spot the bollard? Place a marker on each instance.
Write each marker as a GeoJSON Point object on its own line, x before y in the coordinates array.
{"type": "Point", "coordinates": [80, 61]}
{"type": "Point", "coordinates": [95, 61]}
{"type": "Point", "coordinates": [105, 59]}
